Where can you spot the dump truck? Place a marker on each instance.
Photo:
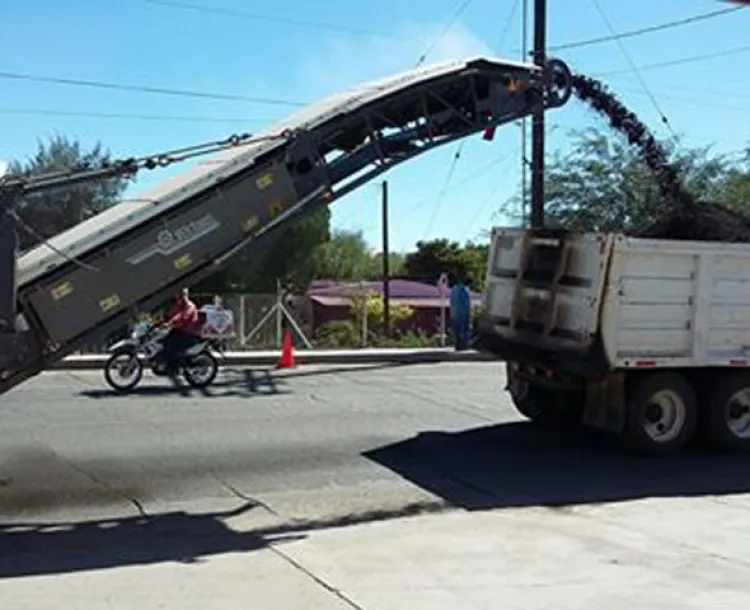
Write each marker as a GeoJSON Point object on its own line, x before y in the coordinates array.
{"type": "Point", "coordinates": [647, 339]}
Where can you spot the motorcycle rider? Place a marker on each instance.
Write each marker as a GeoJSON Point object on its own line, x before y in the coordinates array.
{"type": "Point", "coordinates": [185, 322]}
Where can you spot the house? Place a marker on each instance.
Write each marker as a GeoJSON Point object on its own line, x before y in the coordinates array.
{"type": "Point", "coordinates": [328, 300]}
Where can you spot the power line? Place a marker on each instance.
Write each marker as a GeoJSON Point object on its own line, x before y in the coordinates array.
{"type": "Point", "coordinates": [268, 18]}
{"type": "Point", "coordinates": [143, 89]}
{"type": "Point", "coordinates": [647, 30]}
{"type": "Point", "coordinates": [712, 91]}
{"type": "Point", "coordinates": [444, 188]}
{"type": "Point", "coordinates": [449, 24]}
{"type": "Point", "coordinates": [142, 117]}
{"type": "Point", "coordinates": [490, 195]}
{"type": "Point", "coordinates": [633, 67]}
{"type": "Point", "coordinates": [462, 144]}
{"type": "Point", "coordinates": [687, 100]}
{"type": "Point", "coordinates": [679, 62]}
{"type": "Point", "coordinates": [508, 23]}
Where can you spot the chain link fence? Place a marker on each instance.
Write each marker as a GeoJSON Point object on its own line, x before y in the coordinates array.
{"type": "Point", "coordinates": [350, 320]}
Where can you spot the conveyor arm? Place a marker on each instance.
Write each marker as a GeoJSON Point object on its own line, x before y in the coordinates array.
{"type": "Point", "coordinates": [123, 260]}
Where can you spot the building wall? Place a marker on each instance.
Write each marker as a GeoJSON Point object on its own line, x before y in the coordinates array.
{"type": "Point", "coordinates": [424, 319]}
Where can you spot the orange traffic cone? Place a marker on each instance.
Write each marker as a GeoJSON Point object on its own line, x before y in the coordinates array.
{"type": "Point", "coordinates": [287, 351]}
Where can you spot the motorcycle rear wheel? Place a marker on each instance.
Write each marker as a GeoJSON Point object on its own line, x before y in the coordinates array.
{"type": "Point", "coordinates": [201, 370]}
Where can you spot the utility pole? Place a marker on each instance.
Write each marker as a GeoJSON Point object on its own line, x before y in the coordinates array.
{"type": "Point", "coordinates": [537, 119]}
{"type": "Point", "coordinates": [524, 161]}
{"type": "Point", "coordinates": [8, 254]}
{"type": "Point", "coordinates": [386, 271]}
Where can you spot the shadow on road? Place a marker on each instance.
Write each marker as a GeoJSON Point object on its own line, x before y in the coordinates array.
{"type": "Point", "coordinates": [516, 464]}
{"type": "Point", "coordinates": [338, 370]}
{"type": "Point", "coordinates": [232, 383]}
{"type": "Point", "coordinates": [246, 382]}
{"type": "Point", "coordinates": [33, 549]}
{"type": "Point", "coordinates": [37, 548]}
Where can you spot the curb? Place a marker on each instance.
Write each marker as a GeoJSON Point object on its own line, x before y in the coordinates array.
{"type": "Point", "coordinates": [302, 357]}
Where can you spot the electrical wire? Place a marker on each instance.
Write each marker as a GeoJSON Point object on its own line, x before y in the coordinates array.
{"type": "Point", "coordinates": [449, 24]}
{"type": "Point", "coordinates": [24, 184]}
{"type": "Point", "coordinates": [319, 25]}
{"type": "Point", "coordinates": [647, 30]}
{"type": "Point", "coordinates": [462, 144]}
{"type": "Point", "coordinates": [493, 191]}
{"type": "Point", "coordinates": [143, 89]}
{"type": "Point", "coordinates": [713, 92]}
{"type": "Point", "coordinates": [41, 239]}
{"type": "Point", "coordinates": [508, 23]}
{"type": "Point", "coordinates": [140, 117]}
{"type": "Point", "coordinates": [298, 103]}
{"type": "Point", "coordinates": [687, 100]}
{"type": "Point", "coordinates": [444, 188]}
{"type": "Point", "coordinates": [459, 149]}
{"type": "Point", "coordinates": [679, 62]}
{"type": "Point", "coordinates": [465, 180]}
{"type": "Point", "coordinates": [633, 67]}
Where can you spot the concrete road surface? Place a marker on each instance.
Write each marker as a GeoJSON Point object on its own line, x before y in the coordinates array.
{"type": "Point", "coordinates": [368, 487]}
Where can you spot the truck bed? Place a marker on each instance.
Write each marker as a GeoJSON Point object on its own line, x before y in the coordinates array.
{"type": "Point", "coordinates": [591, 302]}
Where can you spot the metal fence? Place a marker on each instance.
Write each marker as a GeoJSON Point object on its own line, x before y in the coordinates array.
{"type": "Point", "coordinates": [260, 319]}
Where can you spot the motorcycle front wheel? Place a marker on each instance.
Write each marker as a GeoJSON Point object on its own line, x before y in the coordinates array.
{"type": "Point", "coordinates": [201, 370]}
{"type": "Point", "coordinates": [123, 371]}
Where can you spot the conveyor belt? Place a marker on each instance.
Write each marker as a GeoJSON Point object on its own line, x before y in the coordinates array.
{"type": "Point", "coordinates": [93, 276]}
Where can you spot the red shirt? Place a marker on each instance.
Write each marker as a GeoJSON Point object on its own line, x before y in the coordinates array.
{"type": "Point", "coordinates": [184, 316]}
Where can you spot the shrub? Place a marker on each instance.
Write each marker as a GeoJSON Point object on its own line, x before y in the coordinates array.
{"type": "Point", "coordinates": [338, 334]}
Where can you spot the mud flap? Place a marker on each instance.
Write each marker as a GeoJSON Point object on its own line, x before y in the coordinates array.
{"type": "Point", "coordinates": [605, 403]}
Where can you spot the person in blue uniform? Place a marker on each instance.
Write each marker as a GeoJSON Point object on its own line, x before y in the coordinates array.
{"type": "Point", "coordinates": [460, 313]}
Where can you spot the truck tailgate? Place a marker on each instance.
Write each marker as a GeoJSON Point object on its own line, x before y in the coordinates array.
{"type": "Point", "coordinates": [543, 292]}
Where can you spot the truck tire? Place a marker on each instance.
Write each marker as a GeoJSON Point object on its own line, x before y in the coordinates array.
{"type": "Point", "coordinates": [544, 407]}
{"type": "Point", "coordinates": [727, 414]}
{"type": "Point", "coordinates": [662, 413]}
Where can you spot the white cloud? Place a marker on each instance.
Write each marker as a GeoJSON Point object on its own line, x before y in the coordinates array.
{"type": "Point", "coordinates": [340, 63]}
{"type": "Point", "coordinates": [3, 167]}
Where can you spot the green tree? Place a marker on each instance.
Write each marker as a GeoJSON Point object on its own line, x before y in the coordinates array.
{"type": "Point", "coordinates": [288, 259]}
{"type": "Point", "coordinates": [602, 184]}
{"type": "Point", "coordinates": [48, 213]}
{"type": "Point", "coordinates": [432, 258]}
{"type": "Point", "coordinates": [737, 187]}
{"type": "Point", "coordinates": [396, 264]}
{"type": "Point", "coordinates": [348, 257]}
{"type": "Point", "coordinates": [345, 257]}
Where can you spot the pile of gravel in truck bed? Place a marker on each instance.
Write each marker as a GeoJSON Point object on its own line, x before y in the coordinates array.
{"type": "Point", "coordinates": [699, 222]}
{"type": "Point", "coordinates": [683, 218]}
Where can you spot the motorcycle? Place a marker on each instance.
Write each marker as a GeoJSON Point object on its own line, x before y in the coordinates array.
{"type": "Point", "coordinates": [197, 364]}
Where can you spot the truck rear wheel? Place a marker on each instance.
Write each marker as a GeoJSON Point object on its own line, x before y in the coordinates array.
{"type": "Point", "coordinates": [661, 414]}
{"type": "Point", "coordinates": [543, 406]}
{"type": "Point", "coordinates": [728, 413]}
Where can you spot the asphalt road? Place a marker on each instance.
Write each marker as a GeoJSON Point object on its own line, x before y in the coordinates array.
{"type": "Point", "coordinates": [70, 448]}
{"type": "Point", "coordinates": [90, 480]}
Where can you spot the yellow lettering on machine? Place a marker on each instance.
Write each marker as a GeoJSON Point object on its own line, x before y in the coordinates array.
{"type": "Point", "coordinates": [275, 208]}
{"type": "Point", "coordinates": [251, 223]}
{"type": "Point", "coordinates": [109, 303]}
{"type": "Point", "coordinates": [61, 290]}
{"type": "Point", "coordinates": [264, 181]}
{"type": "Point", "coordinates": [182, 261]}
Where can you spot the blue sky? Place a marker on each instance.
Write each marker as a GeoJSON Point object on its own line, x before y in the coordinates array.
{"type": "Point", "coordinates": [141, 43]}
